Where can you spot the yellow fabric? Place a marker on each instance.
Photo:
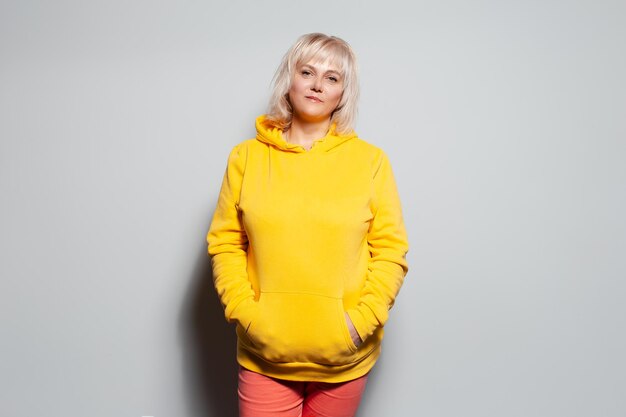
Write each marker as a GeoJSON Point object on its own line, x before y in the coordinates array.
{"type": "Point", "coordinates": [299, 237]}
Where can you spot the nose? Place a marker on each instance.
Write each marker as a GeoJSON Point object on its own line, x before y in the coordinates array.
{"type": "Point", "coordinates": [317, 85]}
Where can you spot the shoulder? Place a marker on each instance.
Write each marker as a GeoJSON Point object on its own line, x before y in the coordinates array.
{"type": "Point", "coordinates": [364, 146]}
{"type": "Point", "coordinates": [244, 146]}
{"type": "Point", "coordinates": [374, 155]}
{"type": "Point", "coordinates": [239, 152]}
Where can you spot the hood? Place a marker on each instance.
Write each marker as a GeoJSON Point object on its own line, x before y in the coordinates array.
{"type": "Point", "coordinates": [273, 136]}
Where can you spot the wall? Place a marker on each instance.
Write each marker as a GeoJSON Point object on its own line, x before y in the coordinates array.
{"type": "Point", "coordinates": [504, 122]}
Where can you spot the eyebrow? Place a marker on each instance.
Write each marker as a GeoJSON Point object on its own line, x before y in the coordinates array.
{"type": "Point", "coordinates": [329, 71]}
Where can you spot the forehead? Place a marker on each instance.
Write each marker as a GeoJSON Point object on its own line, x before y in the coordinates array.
{"type": "Point", "coordinates": [326, 58]}
{"type": "Point", "coordinates": [327, 65]}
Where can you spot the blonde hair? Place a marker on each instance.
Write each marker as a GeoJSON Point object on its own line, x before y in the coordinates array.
{"type": "Point", "coordinates": [321, 48]}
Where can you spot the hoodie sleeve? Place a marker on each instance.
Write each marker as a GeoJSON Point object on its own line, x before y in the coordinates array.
{"type": "Point", "coordinates": [228, 244]}
{"type": "Point", "coordinates": [388, 245]}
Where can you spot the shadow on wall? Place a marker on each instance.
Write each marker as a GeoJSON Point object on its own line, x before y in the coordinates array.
{"type": "Point", "coordinates": [209, 347]}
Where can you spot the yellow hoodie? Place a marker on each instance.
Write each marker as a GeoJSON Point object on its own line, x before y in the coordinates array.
{"type": "Point", "coordinates": [300, 237]}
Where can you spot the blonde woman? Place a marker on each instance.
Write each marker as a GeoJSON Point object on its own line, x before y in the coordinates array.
{"type": "Point", "coordinates": [307, 242]}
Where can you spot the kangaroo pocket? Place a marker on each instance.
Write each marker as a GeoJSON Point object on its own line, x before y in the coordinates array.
{"type": "Point", "coordinates": [296, 327]}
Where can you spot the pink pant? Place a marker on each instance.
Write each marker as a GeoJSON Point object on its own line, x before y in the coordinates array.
{"type": "Point", "coordinates": [262, 396]}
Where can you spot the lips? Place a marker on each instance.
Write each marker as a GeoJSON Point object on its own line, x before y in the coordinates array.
{"type": "Point", "coordinates": [313, 98]}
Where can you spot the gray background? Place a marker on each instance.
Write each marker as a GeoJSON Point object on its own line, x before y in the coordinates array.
{"type": "Point", "coordinates": [505, 125]}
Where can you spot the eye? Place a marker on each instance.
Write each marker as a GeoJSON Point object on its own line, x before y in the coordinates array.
{"type": "Point", "coordinates": [305, 72]}
{"type": "Point", "coordinates": [333, 79]}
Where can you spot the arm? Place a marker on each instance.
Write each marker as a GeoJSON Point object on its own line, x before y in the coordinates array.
{"type": "Point", "coordinates": [228, 244]}
{"type": "Point", "coordinates": [388, 245]}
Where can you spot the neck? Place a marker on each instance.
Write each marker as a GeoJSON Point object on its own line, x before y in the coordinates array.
{"type": "Point", "coordinates": [305, 133]}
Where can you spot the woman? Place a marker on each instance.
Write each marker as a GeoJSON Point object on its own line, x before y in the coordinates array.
{"type": "Point", "coordinates": [307, 242]}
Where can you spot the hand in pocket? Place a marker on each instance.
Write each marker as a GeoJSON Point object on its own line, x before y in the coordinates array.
{"type": "Point", "coordinates": [356, 339]}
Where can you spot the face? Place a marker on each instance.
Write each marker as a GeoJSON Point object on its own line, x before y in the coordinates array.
{"type": "Point", "coordinates": [315, 91]}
